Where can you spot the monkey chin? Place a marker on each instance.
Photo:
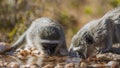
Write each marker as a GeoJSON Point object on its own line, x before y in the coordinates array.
{"type": "Point", "coordinates": [77, 52]}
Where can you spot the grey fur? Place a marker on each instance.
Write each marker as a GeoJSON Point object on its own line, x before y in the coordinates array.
{"type": "Point", "coordinates": [101, 33]}
{"type": "Point", "coordinates": [43, 32]}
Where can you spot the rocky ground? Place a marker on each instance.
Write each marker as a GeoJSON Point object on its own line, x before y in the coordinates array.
{"type": "Point", "coordinates": [19, 58]}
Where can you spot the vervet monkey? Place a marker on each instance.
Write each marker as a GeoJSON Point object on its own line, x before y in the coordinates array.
{"type": "Point", "coordinates": [101, 34]}
{"type": "Point", "coordinates": [45, 35]}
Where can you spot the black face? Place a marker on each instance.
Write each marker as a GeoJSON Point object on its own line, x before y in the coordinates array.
{"type": "Point", "coordinates": [76, 54]}
{"type": "Point", "coordinates": [49, 48]}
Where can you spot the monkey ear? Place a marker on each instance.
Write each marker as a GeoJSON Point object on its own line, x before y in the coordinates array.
{"type": "Point", "coordinates": [109, 20]}
{"type": "Point", "coordinates": [89, 39]}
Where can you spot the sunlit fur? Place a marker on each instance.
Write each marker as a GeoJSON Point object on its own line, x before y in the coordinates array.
{"type": "Point", "coordinates": [101, 33]}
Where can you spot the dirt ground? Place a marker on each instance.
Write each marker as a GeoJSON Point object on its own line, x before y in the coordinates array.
{"type": "Point", "coordinates": [19, 59]}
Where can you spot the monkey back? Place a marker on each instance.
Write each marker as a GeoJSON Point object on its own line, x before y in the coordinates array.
{"type": "Point", "coordinates": [50, 33]}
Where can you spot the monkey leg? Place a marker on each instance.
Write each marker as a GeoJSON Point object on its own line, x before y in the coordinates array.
{"type": "Point", "coordinates": [29, 41]}
{"type": "Point", "coordinates": [107, 44]}
{"type": "Point", "coordinates": [62, 48]}
{"type": "Point", "coordinates": [108, 40]}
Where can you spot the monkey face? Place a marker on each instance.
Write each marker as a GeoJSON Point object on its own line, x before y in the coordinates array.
{"type": "Point", "coordinates": [75, 50]}
{"type": "Point", "coordinates": [49, 48]}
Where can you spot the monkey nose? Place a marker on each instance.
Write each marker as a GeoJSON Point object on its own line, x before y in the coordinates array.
{"type": "Point", "coordinates": [73, 53]}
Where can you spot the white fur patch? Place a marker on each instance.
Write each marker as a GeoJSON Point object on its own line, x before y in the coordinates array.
{"type": "Point", "coordinates": [76, 48]}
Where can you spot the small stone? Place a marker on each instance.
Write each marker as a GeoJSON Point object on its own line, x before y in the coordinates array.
{"type": "Point", "coordinates": [103, 57]}
{"type": "Point", "coordinates": [83, 65]}
{"type": "Point", "coordinates": [21, 57]}
{"type": "Point", "coordinates": [24, 66]}
{"type": "Point", "coordinates": [32, 49]}
{"type": "Point", "coordinates": [5, 63]}
{"type": "Point", "coordinates": [1, 64]}
{"type": "Point", "coordinates": [24, 53]}
{"type": "Point", "coordinates": [59, 65]}
{"type": "Point", "coordinates": [48, 66]}
{"type": "Point", "coordinates": [113, 64]}
{"type": "Point", "coordinates": [18, 50]}
{"type": "Point", "coordinates": [36, 51]}
{"type": "Point", "coordinates": [33, 66]}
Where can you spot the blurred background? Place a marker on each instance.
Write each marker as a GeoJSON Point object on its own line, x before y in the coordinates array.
{"type": "Point", "coordinates": [17, 15]}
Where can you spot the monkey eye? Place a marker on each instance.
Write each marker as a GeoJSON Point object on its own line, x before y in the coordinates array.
{"type": "Point", "coordinates": [76, 44]}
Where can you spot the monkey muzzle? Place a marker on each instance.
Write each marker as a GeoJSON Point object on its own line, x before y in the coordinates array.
{"type": "Point", "coordinates": [77, 52]}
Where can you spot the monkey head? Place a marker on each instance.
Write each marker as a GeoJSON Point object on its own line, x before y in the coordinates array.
{"type": "Point", "coordinates": [81, 43]}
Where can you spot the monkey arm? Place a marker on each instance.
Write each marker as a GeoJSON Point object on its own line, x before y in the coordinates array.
{"type": "Point", "coordinates": [107, 45]}
{"type": "Point", "coordinates": [115, 50]}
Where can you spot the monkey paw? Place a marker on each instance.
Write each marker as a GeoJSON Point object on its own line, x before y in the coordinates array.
{"type": "Point", "coordinates": [103, 50]}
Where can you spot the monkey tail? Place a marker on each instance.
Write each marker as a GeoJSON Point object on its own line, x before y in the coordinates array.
{"type": "Point", "coordinates": [19, 42]}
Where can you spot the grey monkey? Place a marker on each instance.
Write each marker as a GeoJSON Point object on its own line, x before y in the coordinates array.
{"type": "Point", "coordinates": [45, 35]}
{"type": "Point", "coordinates": [101, 34]}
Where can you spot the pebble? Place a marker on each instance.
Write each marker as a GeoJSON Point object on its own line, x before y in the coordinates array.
{"type": "Point", "coordinates": [60, 65]}
{"type": "Point", "coordinates": [83, 65]}
{"type": "Point", "coordinates": [114, 64]}
{"type": "Point", "coordinates": [48, 66]}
